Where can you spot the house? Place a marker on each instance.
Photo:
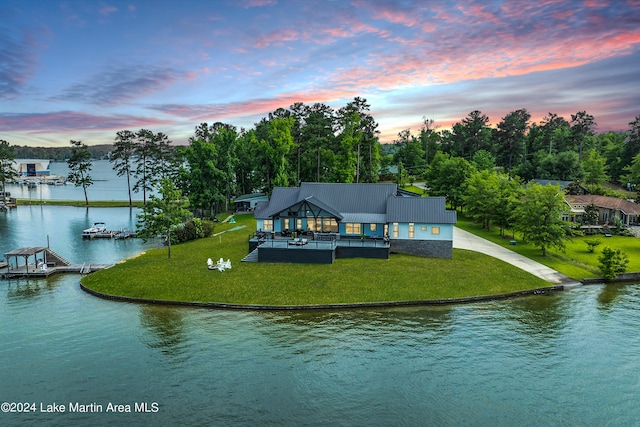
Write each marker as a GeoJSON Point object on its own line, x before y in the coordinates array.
{"type": "Point", "coordinates": [248, 202]}
{"type": "Point", "coordinates": [318, 222]}
{"type": "Point", "coordinates": [608, 209]}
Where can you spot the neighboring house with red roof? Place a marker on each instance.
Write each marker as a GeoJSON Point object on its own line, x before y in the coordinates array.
{"type": "Point", "coordinates": [608, 209]}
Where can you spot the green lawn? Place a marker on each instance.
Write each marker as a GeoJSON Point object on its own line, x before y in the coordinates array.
{"type": "Point", "coordinates": [575, 261]}
{"type": "Point", "coordinates": [185, 276]}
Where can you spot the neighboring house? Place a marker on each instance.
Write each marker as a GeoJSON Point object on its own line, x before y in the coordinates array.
{"type": "Point", "coordinates": [29, 167]}
{"type": "Point", "coordinates": [564, 185]}
{"type": "Point", "coordinates": [248, 202]}
{"type": "Point", "coordinates": [608, 209]}
{"type": "Point", "coordinates": [350, 220]}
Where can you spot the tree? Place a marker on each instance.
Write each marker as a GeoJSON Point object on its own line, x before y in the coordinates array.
{"type": "Point", "coordinates": [447, 176]}
{"type": "Point", "coordinates": [429, 138]}
{"type": "Point", "coordinates": [592, 244]}
{"type": "Point", "coordinates": [483, 160]}
{"type": "Point", "coordinates": [581, 124]}
{"type": "Point", "coordinates": [7, 156]}
{"type": "Point", "coordinates": [632, 142]}
{"type": "Point", "coordinates": [595, 168]}
{"type": "Point", "coordinates": [476, 133]}
{"type": "Point", "coordinates": [145, 151]}
{"type": "Point", "coordinates": [79, 167]}
{"type": "Point", "coordinates": [163, 214]}
{"type": "Point", "coordinates": [590, 216]}
{"type": "Point", "coordinates": [359, 142]}
{"type": "Point", "coordinates": [613, 262]}
{"type": "Point", "coordinates": [481, 199]}
{"type": "Point", "coordinates": [318, 136]}
{"type": "Point", "coordinates": [539, 217]}
{"type": "Point", "coordinates": [511, 138]}
{"type": "Point", "coordinates": [409, 151]}
{"type": "Point", "coordinates": [632, 176]}
{"type": "Point", "coordinates": [121, 156]}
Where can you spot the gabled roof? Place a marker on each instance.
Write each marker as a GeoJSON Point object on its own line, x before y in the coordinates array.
{"type": "Point", "coordinates": [607, 202]}
{"type": "Point", "coordinates": [339, 198]}
{"type": "Point", "coordinates": [358, 203]}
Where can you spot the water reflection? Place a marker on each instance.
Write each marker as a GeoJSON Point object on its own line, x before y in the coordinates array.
{"type": "Point", "coordinates": [24, 289]}
{"type": "Point", "coordinates": [540, 316]}
{"type": "Point", "coordinates": [608, 295]}
{"type": "Point", "coordinates": [166, 326]}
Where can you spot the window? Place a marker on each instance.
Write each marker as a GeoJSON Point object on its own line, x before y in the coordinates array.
{"type": "Point", "coordinates": [435, 230]}
{"type": "Point", "coordinates": [352, 228]}
{"type": "Point", "coordinates": [311, 224]}
{"type": "Point", "coordinates": [423, 228]}
{"type": "Point", "coordinates": [268, 224]}
{"type": "Point", "coordinates": [395, 229]}
{"type": "Point", "coordinates": [299, 224]}
{"type": "Point", "coordinates": [329, 225]}
{"type": "Point", "coordinates": [412, 232]}
{"type": "Point", "coordinates": [285, 223]}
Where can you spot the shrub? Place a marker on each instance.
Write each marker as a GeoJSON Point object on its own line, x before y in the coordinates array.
{"type": "Point", "coordinates": [613, 262]}
{"type": "Point", "coordinates": [592, 243]}
{"type": "Point", "coordinates": [193, 229]}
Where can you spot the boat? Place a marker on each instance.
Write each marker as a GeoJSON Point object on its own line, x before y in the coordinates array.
{"type": "Point", "coordinates": [97, 229]}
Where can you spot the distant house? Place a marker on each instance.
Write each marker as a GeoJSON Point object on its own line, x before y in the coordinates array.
{"type": "Point", "coordinates": [350, 220]}
{"type": "Point", "coordinates": [248, 202]}
{"type": "Point", "coordinates": [608, 209]}
{"type": "Point", "coordinates": [31, 168]}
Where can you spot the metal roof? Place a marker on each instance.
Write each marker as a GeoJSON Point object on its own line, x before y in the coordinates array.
{"type": "Point", "coordinates": [26, 251]}
{"type": "Point", "coordinates": [430, 210]}
{"type": "Point", "coordinates": [363, 203]}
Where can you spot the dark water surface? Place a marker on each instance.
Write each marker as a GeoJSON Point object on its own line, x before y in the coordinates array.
{"type": "Point", "coordinates": [572, 358]}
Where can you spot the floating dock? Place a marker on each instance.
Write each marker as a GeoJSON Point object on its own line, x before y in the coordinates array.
{"type": "Point", "coordinates": [45, 263]}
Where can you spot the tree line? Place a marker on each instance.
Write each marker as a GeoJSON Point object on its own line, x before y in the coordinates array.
{"type": "Point", "coordinates": [556, 148]}
{"type": "Point", "coordinates": [318, 143]}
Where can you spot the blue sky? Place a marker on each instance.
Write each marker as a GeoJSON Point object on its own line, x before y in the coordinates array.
{"type": "Point", "coordinates": [84, 70]}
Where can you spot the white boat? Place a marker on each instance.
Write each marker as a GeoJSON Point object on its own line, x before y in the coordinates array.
{"type": "Point", "coordinates": [98, 228]}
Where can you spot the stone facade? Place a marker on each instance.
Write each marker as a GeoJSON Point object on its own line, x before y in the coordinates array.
{"type": "Point", "coordinates": [427, 248]}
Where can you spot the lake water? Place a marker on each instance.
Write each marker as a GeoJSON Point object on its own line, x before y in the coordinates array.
{"type": "Point", "coordinates": [571, 358]}
{"type": "Point", "coordinates": [106, 185]}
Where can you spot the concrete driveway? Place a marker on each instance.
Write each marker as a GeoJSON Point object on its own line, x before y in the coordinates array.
{"type": "Point", "coordinates": [465, 240]}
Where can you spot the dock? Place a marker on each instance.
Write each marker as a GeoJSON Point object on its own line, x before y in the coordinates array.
{"type": "Point", "coordinates": [45, 262]}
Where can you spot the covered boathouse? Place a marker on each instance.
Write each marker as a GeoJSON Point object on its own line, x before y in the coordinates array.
{"type": "Point", "coordinates": [319, 222]}
{"type": "Point", "coordinates": [40, 262]}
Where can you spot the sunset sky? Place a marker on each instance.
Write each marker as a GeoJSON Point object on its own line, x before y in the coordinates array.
{"type": "Point", "coordinates": [84, 70]}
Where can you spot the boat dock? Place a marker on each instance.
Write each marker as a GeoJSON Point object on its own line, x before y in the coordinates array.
{"type": "Point", "coordinates": [45, 262]}
{"type": "Point", "coordinates": [99, 231]}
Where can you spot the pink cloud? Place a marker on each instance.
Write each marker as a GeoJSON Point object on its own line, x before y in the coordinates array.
{"type": "Point", "coordinates": [277, 38]}
{"type": "Point", "coordinates": [70, 121]}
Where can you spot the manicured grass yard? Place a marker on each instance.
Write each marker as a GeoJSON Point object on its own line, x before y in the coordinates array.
{"type": "Point", "coordinates": [185, 276]}
{"type": "Point", "coordinates": [575, 261]}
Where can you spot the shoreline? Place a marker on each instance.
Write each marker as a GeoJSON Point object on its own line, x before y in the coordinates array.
{"type": "Point", "coordinates": [308, 307]}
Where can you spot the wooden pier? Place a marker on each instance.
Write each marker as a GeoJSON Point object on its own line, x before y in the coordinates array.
{"type": "Point", "coordinates": [45, 263]}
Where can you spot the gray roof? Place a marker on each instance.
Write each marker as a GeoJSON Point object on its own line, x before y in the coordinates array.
{"type": "Point", "coordinates": [422, 210]}
{"type": "Point", "coordinates": [339, 198]}
{"type": "Point", "coordinates": [359, 203]}
{"type": "Point", "coordinates": [252, 196]}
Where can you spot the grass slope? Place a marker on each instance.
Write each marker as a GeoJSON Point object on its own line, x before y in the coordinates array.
{"type": "Point", "coordinates": [575, 261]}
{"type": "Point", "coordinates": [185, 276]}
